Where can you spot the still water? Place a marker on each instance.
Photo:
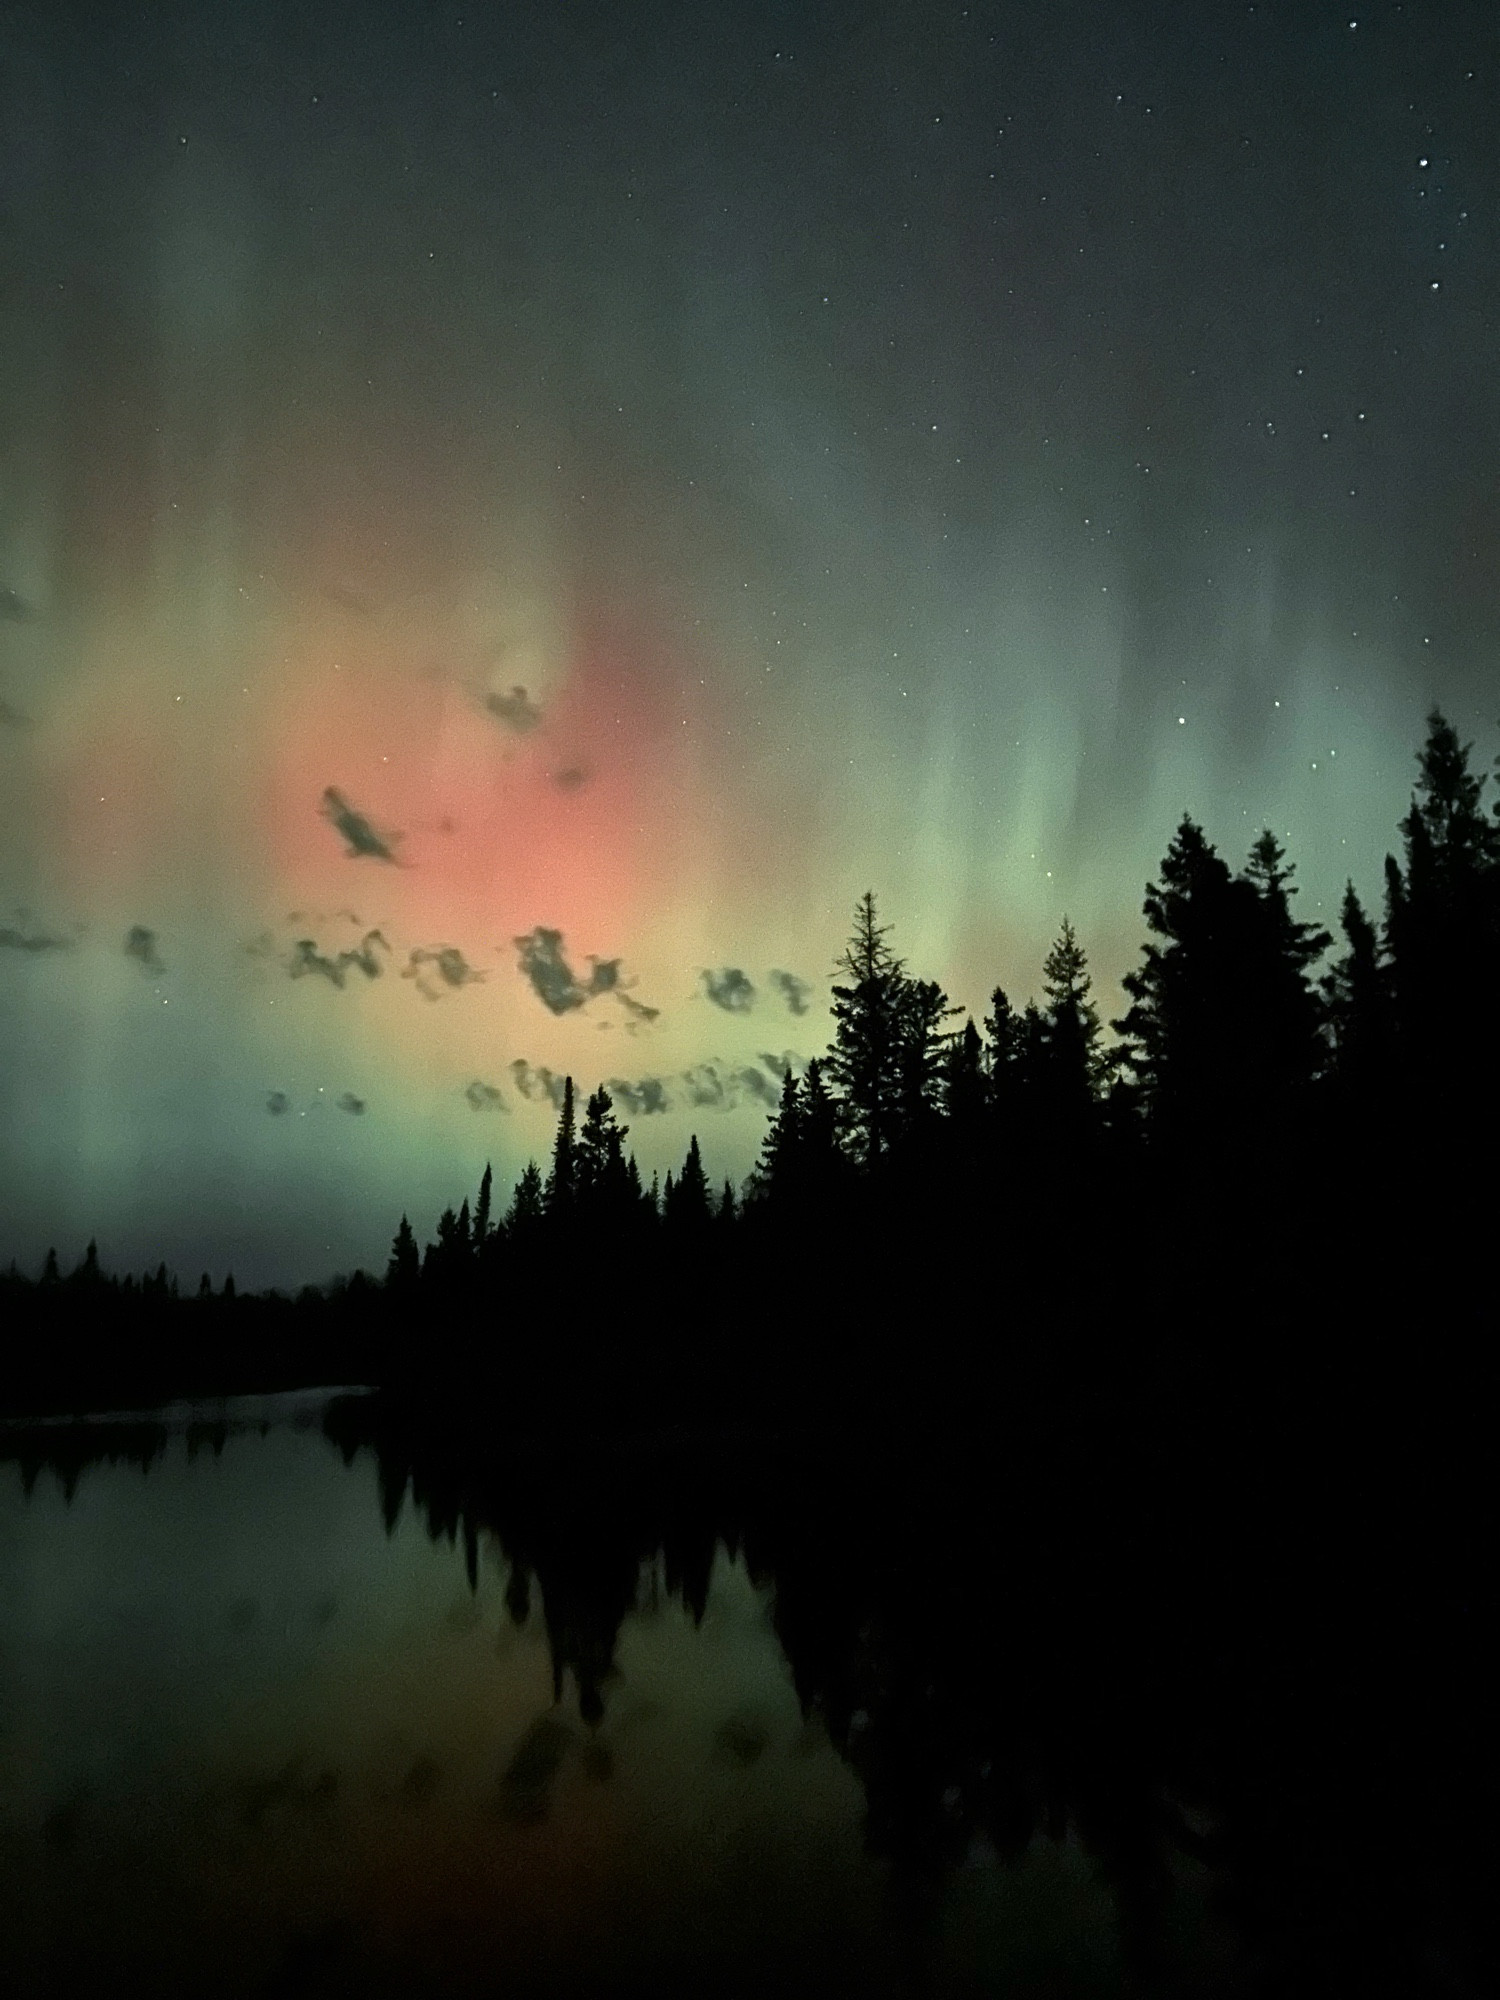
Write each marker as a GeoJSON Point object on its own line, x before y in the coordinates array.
{"type": "Point", "coordinates": [256, 1740]}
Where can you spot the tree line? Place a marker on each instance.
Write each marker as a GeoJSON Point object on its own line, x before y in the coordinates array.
{"type": "Point", "coordinates": [1252, 1046]}
{"type": "Point", "coordinates": [1273, 1104]}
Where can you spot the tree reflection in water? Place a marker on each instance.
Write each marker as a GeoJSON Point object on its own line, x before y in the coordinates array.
{"type": "Point", "coordinates": [1214, 1698]}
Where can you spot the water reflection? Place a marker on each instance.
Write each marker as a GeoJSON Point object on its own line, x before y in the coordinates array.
{"type": "Point", "coordinates": [423, 1712]}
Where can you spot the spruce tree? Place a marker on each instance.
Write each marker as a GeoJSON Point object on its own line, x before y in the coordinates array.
{"type": "Point", "coordinates": [1071, 1059]}
{"type": "Point", "coordinates": [1442, 932]}
{"type": "Point", "coordinates": [1357, 1003]}
{"type": "Point", "coordinates": [865, 1060]}
{"type": "Point", "coordinates": [405, 1267]}
{"type": "Point", "coordinates": [965, 1088]}
{"type": "Point", "coordinates": [561, 1180]}
{"type": "Point", "coordinates": [688, 1206]}
{"type": "Point", "coordinates": [777, 1170]}
{"type": "Point", "coordinates": [528, 1204]}
{"type": "Point", "coordinates": [1182, 993]}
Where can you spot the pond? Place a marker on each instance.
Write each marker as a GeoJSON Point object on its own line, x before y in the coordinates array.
{"type": "Point", "coordinates": [297, 1700]}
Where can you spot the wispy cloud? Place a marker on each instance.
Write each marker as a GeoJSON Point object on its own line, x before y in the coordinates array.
{"type": "Point", "coordinates": [537, 1084]}
{"type": "Point", "coordinates": [730, 989]}
{"type": "Point", "coordinates": [719, 1086]}
{"type": "Point", "coordinates": [704, 1087]}
{"type": "Point", "coordinates": [516, 709]}
{"type": "Point", "coordinates": [443, 967]}
{"type": "Point", "coordinates": [571, 778]}
{"type": "Point", "coordinates": [12, 718]}
{"type": "Point", "coordinates": [335, 967]}
{"type": "Point", "coordinates": [788, 1063]}
{"type": "Point", "coordinates": [793, 990]}
{"type": "Point", "coordinates": [359, 833]}
{"type": "Point", "coordinates": [643, 1098]}
{"type": "Point", "coordinates": [481, 1096]}
{"type": "Point", "coordinates": [140, 944]}
{"type": "Point", "coordinates": [13, 940]}
{"type": "Point", "coordinates": [755, 1083]}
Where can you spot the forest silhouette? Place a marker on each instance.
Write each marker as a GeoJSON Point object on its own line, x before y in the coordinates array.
{"type": "Point", "coordinates": [1277, 1178]}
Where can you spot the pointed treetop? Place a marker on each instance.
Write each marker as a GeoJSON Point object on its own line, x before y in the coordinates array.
{"type": "Point", "coordinates": [867, 956]}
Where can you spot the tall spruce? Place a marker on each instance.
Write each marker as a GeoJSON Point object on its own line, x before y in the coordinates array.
{"type": "Point", "coordinates": [405, 1265]}
{"type": "Point", "coordinates": [864, 1063]}
{"type": "Point", "coordinates": [528, 1205]}
{"type": "Point", "coordinates": [687, 1206]}
{"type": "Point", "coordinates": [1287, 1014]}
{"type": "Point", "coordinates": [1357, 1007]}
{"type": "Point", "coordinates": [1070, 1062]}
{"type": "Point", "coordinates": [1182, 994]}
{"type": "Point", "coordinates": [1442, 927]}
{"type": "Point", "coordinates": [563, 1176]}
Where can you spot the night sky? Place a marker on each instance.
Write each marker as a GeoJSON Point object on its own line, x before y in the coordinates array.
{"type": "Point", "coordinates": [512, 518]}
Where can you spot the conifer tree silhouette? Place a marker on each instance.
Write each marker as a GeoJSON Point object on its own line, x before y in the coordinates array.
{"type": "Point", "coordinates": [1357, 1003]}
{"type": "Point", "coordinates": [776, 1175]}
{"type": "Point", "coordinates": [562, 1179]}
{"type": "Point", "coordinates": [687, 1207]}
{"type": "Point", "coordinates": [864, 1063]}
{"type": "Point", "coordinates": [528, 1205]}
{"type": "Point", "coordinates": [1285, 1007]}
{"type": "Point", "coordinates": [405, 1267]}
{"type": "Point", "coordinates": [1180, 994]}
{"type": "Point", "coordinates": [1442, 930]}
{"type": "Point", "coordinates": [922, 1011]}
{"type": "Point", "coordinates": [602, 1181]}
{"type": "Point", "coordinates": [1069, 1062]}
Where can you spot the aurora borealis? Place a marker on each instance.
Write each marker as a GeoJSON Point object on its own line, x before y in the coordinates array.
{"type": "Point", "coordinates": [511, 519]}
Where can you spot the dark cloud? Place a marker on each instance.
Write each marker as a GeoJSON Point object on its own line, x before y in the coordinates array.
{"type": "Point", "coordinates": [140, 944]}
{"type": "Point", "coordinates": [444, 966]}
{"type": "Point", "coordinates": [641, 1099]}
{"type": "Point", "coordinates": [604, 975]}
{"type": "Point", "coordinates": [706, 1087]}
{"type": "Point", "coordinates": [480, 1096]}
{"type": "Point", "coordinates": [730, 989]}
{"type": "Point", "coordinates": [788, 1063]}
{"type": "Point", "coordinates": [572, 778]}
{"type": "Point", "coordinates": [337, 966]}
{"type": "Point", "coordinates": [358, 832]}
{"type": "Point", "coordinates": [755, 1083]}
{"type": "Point", "coordinates": [13, 940]}
{"type": "Point", "coordinates": [536, 1084]}
{"type": "Point", "coordinates": [277, 1102]}
{"type": "Point", "coordinates": [718, 1086]}
{"type": "Point", "coordinates": [516, 710]}
{"type": "Point", "coordinates": [12, 718]}
{"type": "Point", "coordinates": [355, 1106]}
{"type": "Point", "coordinates": [793, 990]}
{"type": "Point", "coordinates": [553, 980]}
{"type": "Point", "coordinates": [637, 1009]}
{"type": "Point", "coordinates": [14, 610]}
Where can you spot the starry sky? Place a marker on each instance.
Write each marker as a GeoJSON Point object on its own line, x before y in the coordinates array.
{"type": "Point", "coordinates": [512, 518]}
